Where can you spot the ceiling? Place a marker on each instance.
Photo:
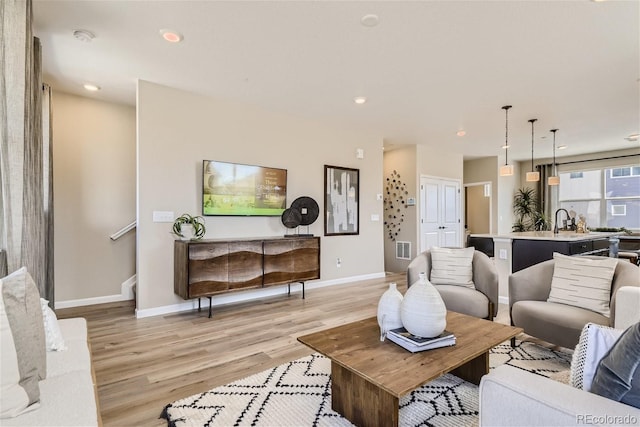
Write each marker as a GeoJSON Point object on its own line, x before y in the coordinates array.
{"type": "Point", "coordinates": [428, 69]}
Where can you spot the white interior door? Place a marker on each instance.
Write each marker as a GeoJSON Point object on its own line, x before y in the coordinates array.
{"type": "Point", "coordinates": [439, 213]}
{"type": "Point", "coordinates": [450, 214]}
{"type": "Point", "coordinates": [429, 215]}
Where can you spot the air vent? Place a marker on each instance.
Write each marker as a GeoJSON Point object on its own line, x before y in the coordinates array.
{"type": "Point", "coordinates": [403, 250]}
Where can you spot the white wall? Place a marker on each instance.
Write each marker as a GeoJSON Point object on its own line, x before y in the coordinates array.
{"type": "Point", "coordinates": [177, 130]}
{"type": "Point", "coordinates": [439, 162]}
{"type": "Point", "coordinates": [94, 196]}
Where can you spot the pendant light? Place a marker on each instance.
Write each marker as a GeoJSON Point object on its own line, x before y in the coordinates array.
{"type": "Point", "coordinates": [532, 176]}
{"type": "Point", "coordinates": [554, 179]}
{"type": "Point", "coordinates": [507, 169]}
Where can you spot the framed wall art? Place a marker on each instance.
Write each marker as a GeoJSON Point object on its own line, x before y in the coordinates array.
{"type": "Point", "coordinates": [341, 201]}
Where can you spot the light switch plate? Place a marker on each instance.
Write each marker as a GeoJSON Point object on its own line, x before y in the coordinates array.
{"type": "Point", "coordinates": [163, 216]}
{"type": "Point", "coordinates": [503, 254]}
{"type": "Point", "coordinates": [375, 217]}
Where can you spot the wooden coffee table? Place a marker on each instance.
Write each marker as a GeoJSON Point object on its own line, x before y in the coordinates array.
{"type": "Point", "coordinates": [369, 376]}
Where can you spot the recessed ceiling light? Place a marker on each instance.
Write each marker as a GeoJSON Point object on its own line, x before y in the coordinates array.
{"type": "Point", "coordinates": [360, 99]}
{"type": "Point", "coordinates": [370, 20]}
{"type": "Point", "coordinates": [633, 137]}
{"type": "Point", "coordinates": [91, 87]}
{"type": "Point", "coordinates": [171, 36]}
{"type": "Point", "coordinates": [562, 147]}
{"type": "Point", "coordinates": [461, 133]}
{"type": "Point", "coordinates": [83, 35]}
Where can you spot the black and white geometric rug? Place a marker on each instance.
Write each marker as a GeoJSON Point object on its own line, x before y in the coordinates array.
{"type": "Point", "coordinates": [298, 393]}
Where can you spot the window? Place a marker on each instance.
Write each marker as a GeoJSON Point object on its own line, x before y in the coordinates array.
{"type": "Point", "coordinates": [624, 172]}
{"type": "Point", "coordinates": [618, 210]}
{"type": "Point", "coordinates": [605, 197]}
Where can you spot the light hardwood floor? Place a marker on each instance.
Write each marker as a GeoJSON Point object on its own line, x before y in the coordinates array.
{"type": "Point", "coordinates": [143, 364]}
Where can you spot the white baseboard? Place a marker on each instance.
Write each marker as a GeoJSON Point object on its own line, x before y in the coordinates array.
{"type": "Point", "coordinates": [126, 294]}
{"type": "Point", "coordinates": [249, 295]}
{"type": "Point", "coordinates": [503, 300]}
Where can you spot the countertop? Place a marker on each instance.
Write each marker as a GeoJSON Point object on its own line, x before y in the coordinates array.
{"type": "Point", "coordinates": [563, 236]}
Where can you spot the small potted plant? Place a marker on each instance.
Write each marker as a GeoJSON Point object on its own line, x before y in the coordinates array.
{"type": "Point", "coordinates": [189, 227]}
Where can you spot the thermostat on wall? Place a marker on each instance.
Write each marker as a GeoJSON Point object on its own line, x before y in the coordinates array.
{"type": "Point", "coordinates": [411, 201]}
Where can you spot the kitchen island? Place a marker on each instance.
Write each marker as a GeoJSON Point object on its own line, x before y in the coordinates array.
{"type": "Point", "coordinates": [514, 251]}
{"type": "Point", "coordinates": [532, 247]}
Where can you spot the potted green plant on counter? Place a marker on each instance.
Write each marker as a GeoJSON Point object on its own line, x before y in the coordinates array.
{"type": "Point", "coordinates": [528, 217]}
{"type": "Point", "coordinates": [189, 227]}
{"type": "Point", "coordinates": [524, 206]}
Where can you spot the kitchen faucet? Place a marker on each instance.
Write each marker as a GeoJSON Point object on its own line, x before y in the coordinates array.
{"type": "Point", "coordinates": [555, 228]}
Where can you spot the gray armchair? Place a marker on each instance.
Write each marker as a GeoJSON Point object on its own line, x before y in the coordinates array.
{"type": "Point", "coordinates": [558, 324]}
{"type": "Point", "coordinates": [480, 302]}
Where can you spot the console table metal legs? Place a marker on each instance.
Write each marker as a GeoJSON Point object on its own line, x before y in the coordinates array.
{"type": "Point", "coordinates": [288, 294]}
{"type": "Point", "coordinates": [209, 306]}
{"type": "Point", "coordinates": [289, 289]}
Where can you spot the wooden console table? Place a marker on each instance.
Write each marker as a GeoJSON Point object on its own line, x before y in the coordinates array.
{"type": "Point", "coordinates": [204, 268]}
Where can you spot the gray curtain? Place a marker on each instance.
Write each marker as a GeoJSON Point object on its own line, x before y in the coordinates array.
{"type": "Point", "coordinates": [547, 194]}
{"type": "Point", "coordinates": [25, 160]}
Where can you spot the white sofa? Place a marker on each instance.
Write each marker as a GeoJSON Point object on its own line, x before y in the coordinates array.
{"type": "Point", "coordinates": [512, 397]}
{"type": "Point", "coordinates": [67, 395]}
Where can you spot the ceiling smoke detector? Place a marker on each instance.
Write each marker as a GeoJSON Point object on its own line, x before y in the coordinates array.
{"type": "Point", "coordinates": [83, 35]}
{"type": "Point", "coordinates": [370, 20]}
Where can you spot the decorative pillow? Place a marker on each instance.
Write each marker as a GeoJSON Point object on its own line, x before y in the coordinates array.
{"type": "Point", "coordinates": [13, 398]}
{"type": "Point", "coordinates": [618, 374]}
{"type": "Point", "coordinates": [595, 341]}
{"type": "Point", "coordinates": [52, 333]}
{"type": "Point", "coordinates": [23, 361]}
{"type": "Point", "coordinates": [582, 282]}
{"type": "Point", "coordinates": [452, 266]}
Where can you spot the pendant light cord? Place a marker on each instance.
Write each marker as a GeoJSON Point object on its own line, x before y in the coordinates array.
{"type": "Point", "coordinates": [532, 121]}
{"type": "Point", "coordinates": [506, 134]}
{"type": "Point", "coordinates": [555, 168]}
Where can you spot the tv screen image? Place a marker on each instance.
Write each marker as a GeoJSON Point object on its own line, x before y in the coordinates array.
{"type": "Point", "coordinates": [242, 190]}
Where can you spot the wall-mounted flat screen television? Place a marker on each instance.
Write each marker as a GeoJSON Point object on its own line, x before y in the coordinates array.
{"type": "Point", "coordinates": [242, 190]}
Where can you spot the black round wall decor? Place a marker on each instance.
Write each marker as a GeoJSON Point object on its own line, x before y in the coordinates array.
{"type": "Point", "coordinates": [395, 202]}
{"type": "Point", "coordinates": [308, 208]}
{"type": "Point", "coordinates": [291, 218]}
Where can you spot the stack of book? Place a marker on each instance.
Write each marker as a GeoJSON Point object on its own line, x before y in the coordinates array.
{"type": "Point", "coordinates": [414, 343]}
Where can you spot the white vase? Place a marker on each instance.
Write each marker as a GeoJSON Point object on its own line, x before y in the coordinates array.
{"type": "Point", "coordinates": [422, 311]}
{"type": "Point", "coordinates": [389, 310]}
